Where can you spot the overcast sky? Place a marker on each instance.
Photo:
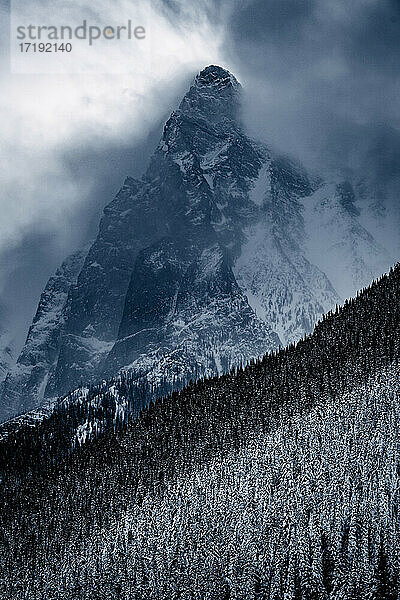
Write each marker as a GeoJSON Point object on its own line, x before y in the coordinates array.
{"type": "Point", "coordinates": [319, 77]}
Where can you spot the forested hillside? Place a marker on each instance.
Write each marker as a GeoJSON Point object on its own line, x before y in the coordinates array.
{"type": "Point", "coordinates": [277, 481]}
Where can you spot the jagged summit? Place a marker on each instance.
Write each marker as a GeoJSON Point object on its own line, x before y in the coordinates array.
{"type": "Point", "coordinates": [215, 76]}
{"type": "Point", "coordinates": [214, 96]}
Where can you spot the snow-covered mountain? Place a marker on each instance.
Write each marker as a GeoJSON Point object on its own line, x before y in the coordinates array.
{"type": "Point", "coordinates": [6, 359]}
{"type": "Point", "coordinates": [24, 386]}
{"type": "Point", "coordinates": [6, 346]}
{"type": "Point", "coordinates": [222, 251]}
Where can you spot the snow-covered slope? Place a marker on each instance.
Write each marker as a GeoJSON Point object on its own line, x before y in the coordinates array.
{"type": "Point", "coordinates": [278, 480]}
{"type": "Point", "coordinates": [284, 288]}
{"type": "Point", "coordinates": [272, 502]}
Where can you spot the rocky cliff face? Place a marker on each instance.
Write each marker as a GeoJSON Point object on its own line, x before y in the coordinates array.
{"type": "Point", "coordinates": [6, 346]}
{"type": "Point", "coordinates": [159, 278]}
{"type": "Point", "coordinates": [25, 384]}
{"type": "Point", "coordinates": [222, 251]}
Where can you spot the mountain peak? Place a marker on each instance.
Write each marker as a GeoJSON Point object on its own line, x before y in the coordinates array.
{"type": "Point", "coordinates": [215, 76]}
{"type": "Point", "coordinates": [214, 96]}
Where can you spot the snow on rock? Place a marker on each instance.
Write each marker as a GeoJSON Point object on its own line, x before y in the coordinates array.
{"type": "Point", "coordinates": [222, 251]}
{"type": "Point", "coordinates": [25, 384]}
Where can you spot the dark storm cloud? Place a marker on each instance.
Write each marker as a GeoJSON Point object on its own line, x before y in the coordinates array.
{"type": "Point", "coordinates": [318, 72]}
{"type": "Point", "coordinates": [289, 34]}
{"type": "Point", "coordinates": [27, 265]}
{"type": "Point", "coordinates": [25, 268]}
{"type": "Point", "coordinates": [376, 40]}
{"type": "Point", "coordinates": [271, 21]}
